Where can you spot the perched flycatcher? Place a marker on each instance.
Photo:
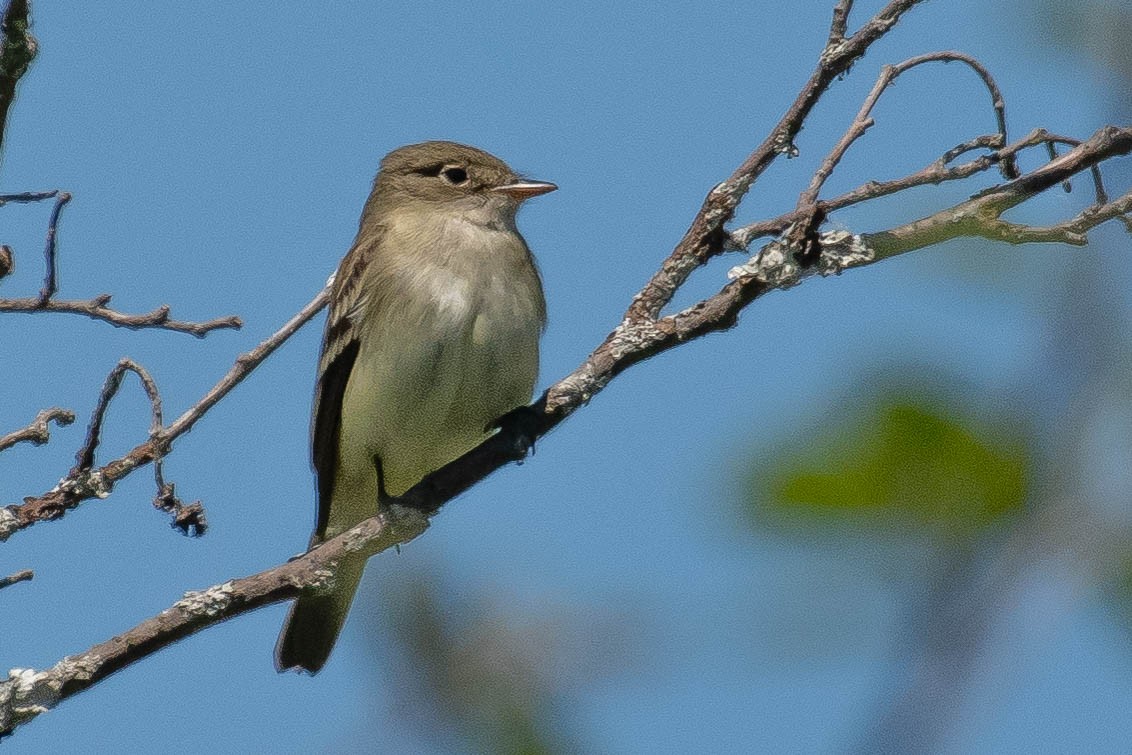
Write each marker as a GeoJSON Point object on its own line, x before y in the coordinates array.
{"type": "Point", "coordinates": [435, 318]}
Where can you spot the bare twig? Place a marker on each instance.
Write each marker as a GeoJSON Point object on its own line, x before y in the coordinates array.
{"type": "Point", "coordinates": [84, 459]}
{"type": "Point", "coordinates": [38, 432]}
{"type": "Point", "coordinates": [96, 309]}
{"type": "Point", "coordinates": [939, 171]}
{"type": "Point", "coordinates": [17, 49]}
{"type": "Point", "coordinates": [28, 196]}
{"type": "Point", "coordinates": [1099, 192]}
{"type": "Point", "coordinates": [706, 236]}
{"type": "Point", "coordinates": [20, 576]}
{"type": "Point", "coordinates": [49, 279]}
{"type": "Point", "coordinates": [863, 121]}
{"type": "Point", "coordinates": [981, 215]}
{"type": "Point", "coordinates": [81, 485]}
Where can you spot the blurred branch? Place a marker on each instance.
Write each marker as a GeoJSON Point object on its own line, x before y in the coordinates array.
{"type": "Point", "coordinates": [38, 432]}
{"type": "Point", "coordinates": [16, 53]}
{"type": "Point", "coordinates": [801, 250]}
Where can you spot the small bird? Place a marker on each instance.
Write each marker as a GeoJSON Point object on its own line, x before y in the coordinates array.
{"type": "Point", "coordinates": [433, 333]}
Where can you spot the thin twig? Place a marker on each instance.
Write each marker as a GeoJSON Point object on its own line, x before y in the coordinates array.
{"type": "Point", "coordinates": [939, 171]}
{"type": "Point", "coordinates": [84, 458]}
{"type": "Point", "coordinates": [96, 309]}
{"type": "Point", "coordinates": [20, 576]}
{"type": "Point", "coordinates": [244, 364]}
{"type": "Point", "coordinates": [863, 120]}
{"type": "Point", "coordinates": [49, 279]}
{"type": "Point", "coordinates": [28, 196]}
{"type": "Point", "coordinates": [1099, 191]}
{"type": "Point", "coordinates": [38, 432]}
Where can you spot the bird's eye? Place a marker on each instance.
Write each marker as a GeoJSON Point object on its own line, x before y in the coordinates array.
{"type": "Point", "coordinates": [454, 175]}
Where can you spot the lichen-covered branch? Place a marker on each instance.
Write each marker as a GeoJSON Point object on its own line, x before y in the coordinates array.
{"type": "Point", "coordinates": [27, 693]}
{"type": "Point", "coordinates": [706, 237]}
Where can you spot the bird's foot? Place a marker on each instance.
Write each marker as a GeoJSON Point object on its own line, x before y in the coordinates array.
{"type": "Point", "coordinates": [522, 425]}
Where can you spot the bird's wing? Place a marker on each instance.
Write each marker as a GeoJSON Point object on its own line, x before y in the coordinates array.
{"type": "Point", "coordinates": [340, 345]}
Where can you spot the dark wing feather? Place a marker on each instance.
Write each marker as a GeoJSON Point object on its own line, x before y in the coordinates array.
{"type": "Point", "coordinates": [339, 350]}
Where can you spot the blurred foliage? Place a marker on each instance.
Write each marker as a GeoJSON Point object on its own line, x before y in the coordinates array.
{"type": "Point", "coordinates": [907, 459]}
{"type": "Point", "coordinates": [463, 677]}
{"type": "Point", "coordinates": [1098, 28]}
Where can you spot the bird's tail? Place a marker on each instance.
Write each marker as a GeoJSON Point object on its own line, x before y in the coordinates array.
{"type": "Point", "coordinates": [313, 625]}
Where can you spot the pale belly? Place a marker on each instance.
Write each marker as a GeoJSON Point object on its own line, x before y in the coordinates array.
{"type": "Point", "coordinates": [424, 388]}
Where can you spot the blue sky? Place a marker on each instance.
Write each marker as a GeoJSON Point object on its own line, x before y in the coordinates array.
{"type": "Point", "coordinates": [219, 155]}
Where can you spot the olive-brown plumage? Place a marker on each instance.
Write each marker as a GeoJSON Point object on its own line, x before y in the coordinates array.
{"type": "Point", "coordinates": [435, 317]}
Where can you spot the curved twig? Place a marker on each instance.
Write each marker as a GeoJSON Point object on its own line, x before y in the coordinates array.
{"type": "Point", "coordinates": [38, 432]}
{"type": "Point", "coordinates": [84, 458]}
{"type": "Point", "coordinates": [863, 120]}
{"type": "Point", "coordinates": [93, 308]}
{"type": "Point", "coordinates": [939, 171]}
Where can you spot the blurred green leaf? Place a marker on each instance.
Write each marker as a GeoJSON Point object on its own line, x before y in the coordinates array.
{"type": "Point", "coordinates": [463, 677]}
{"type": "Point", "coordinates": [905, 461]}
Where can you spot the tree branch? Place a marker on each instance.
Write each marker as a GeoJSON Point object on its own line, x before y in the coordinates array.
{"type": "Point", "coordinates": [643, 333]}
{"type": "Point", "coordinates": [38, 432]}
{"type": "Point", "coordinates": [705, 238]}
{"type": "Point", "coordinates": [94, 308]}
{"type": "Point", "coordinates": [28, 693]}
{"type": "Point", "coordinates": [23, 575]}
{"type": "Point", "coordinates": [17, 49]}
{"type": "Point", "coordinates": [82, 484]}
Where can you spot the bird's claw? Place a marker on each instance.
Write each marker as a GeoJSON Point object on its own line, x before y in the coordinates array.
{"type": "Point", "coordinates": [522, 423]}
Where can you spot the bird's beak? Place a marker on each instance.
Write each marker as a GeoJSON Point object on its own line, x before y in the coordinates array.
{"type": "Point", "coordinates": [521, 190]}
